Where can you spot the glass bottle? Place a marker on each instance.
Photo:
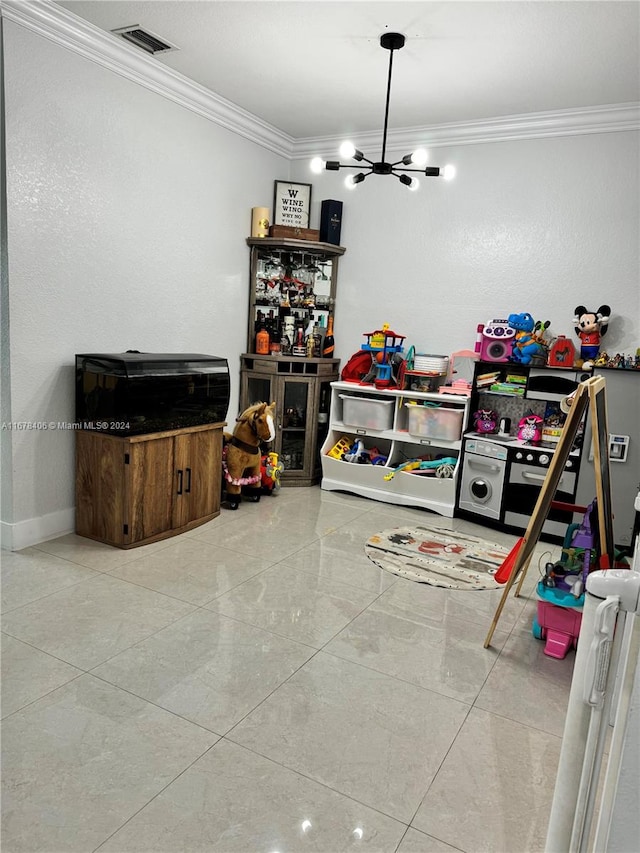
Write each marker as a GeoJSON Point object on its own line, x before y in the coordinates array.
{"type": "Point", "coordinates": [262, 341]}
{"type": "Point", "coordinates": [299, 347]}
{"type": "Point", "coordinates": [329, 343]}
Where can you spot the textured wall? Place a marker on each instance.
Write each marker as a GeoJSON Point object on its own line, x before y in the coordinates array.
{"type": "Point", "coordinates": [534, 225]}
{"type": "Point", "coordinates": [127, 222]}
{"type": "Point", "coordinates": [127, 216]}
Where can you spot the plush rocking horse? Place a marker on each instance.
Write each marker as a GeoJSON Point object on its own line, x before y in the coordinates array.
{"type": "Point", "coordinates": [241, 455]}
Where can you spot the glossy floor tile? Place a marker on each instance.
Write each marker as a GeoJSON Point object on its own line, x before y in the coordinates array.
{"type": "Point", "coordinates": [80, 762]}
{"type": "Point", "coordinates": [233, 801]}
{"type": "Point", "coordinates": [207, 668]}
{"type": "Point", "coordinates": [294, 604]}
{"type": "Point", "coordinates": [258, 684]}
{"type": "Point", "coordinates": [494, 789]}
{"type": "Point", "coordinates": [358, 731]}
{"type": "Point", "coordinates": [191, 570]}
{"type": "Point", "coordinates": [91, 621]}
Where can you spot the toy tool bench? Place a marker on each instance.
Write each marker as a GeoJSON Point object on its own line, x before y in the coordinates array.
{"type": "Point", "coordinates": [561, 591]}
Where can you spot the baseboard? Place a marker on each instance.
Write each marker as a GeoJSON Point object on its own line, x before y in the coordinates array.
{"type": "Point", "coordinates": [22, 534]}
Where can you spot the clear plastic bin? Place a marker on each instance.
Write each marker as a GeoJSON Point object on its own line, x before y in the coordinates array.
{"type": "Point", "coordinates": [366, 413]}
{"type": "Point", "coordinates": [435, 422]}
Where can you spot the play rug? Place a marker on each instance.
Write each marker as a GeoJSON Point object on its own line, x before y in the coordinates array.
{"type": "Point", "coordinates": [437, 556]}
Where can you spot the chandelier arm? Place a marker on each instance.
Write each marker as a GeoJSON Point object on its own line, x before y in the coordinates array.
{"type": "Point", "coordinates": [428, 173]}
{"type": "Point", "coordinates": [368, 169]}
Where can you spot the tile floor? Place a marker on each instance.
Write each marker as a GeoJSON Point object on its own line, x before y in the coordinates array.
{"type": "Point", "coordinates": [260, 686]}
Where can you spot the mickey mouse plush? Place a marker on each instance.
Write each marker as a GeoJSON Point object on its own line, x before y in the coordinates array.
{"type": "Point", "coordinates": [590, 327]}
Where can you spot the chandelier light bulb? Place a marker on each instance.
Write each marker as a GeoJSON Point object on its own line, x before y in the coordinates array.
{"type": "Point", "coordinates": [317, 165]}
{"type": "Point", "coordinates": [349, 182]}
{"type": "Point", "coordinates": [415, 184]}
{"type": "Point", "coordinates": [449, 172]}
{"type": "Point", "coordinates": [419, 157]}
{"type": "Point", "coordinates": [347, 149]}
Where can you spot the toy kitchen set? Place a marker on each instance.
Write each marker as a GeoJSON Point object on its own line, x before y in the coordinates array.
{"type": "Point", "coordinates": [515, 424]}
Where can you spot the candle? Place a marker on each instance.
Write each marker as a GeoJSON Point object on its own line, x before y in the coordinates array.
{"type": "Point", "coordinates": [259, 221]}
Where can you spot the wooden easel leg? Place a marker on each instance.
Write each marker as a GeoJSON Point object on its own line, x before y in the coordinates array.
{"type": "Point", "coordinates": [514, 572]}
{"type": "Point", "coordinates": [523, 575]}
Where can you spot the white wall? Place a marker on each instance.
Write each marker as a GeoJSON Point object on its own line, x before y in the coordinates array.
{"type": "Point", "coordinates": [537, 225]}
{"type": "Point", "coordinates": [127, 219]}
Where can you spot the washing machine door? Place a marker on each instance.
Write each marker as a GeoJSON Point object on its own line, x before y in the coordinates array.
{"type": "Point", "coordinates": [481, 490]}
{"type": "Point", "coordinates": [482, 485]}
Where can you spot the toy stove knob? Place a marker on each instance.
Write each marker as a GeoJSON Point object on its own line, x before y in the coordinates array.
{"type": "Point", "coordinates": [568, 463]}
{"type": "Point", "coordinates": [529, 457]}
{"type": "Point", "coordinates": [543, 459]}
{"type": "Point", "coordinates": [518, 455]}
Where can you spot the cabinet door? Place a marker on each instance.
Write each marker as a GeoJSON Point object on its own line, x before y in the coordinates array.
{"type": "Point", "coordinates": [196, 479]}
{"type": "Point", "coordinates": [255, 388]}
{"type": "Point", "coordinates": [149, 477]}
{"type": "Point", "coordinates": [297, 425]}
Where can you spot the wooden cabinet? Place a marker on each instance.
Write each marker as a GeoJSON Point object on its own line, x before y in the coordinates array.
{"type": "Point", "coordinates": [135, 490]}
{"type": "Point", "coordinates": [400, 426]}
{"type": "Point", "coordinates": [301, 389]}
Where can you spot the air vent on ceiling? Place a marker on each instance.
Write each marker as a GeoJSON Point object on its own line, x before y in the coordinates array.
{"type": "Point", "coordinates": [144, 39]}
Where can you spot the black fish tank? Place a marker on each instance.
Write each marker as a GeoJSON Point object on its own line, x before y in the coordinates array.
{"type": "Point", "coordinates": [133, 393]}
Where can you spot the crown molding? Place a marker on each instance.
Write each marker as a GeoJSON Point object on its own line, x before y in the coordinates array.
{"type": "Point", "coordinates": [68, 30]}
{"type": "Point", "coordinates": [574, 122]}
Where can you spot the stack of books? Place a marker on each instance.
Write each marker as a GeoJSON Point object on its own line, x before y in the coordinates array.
{"type": "Point", "coordinates": [487, 379]}
{"type": "Point", "coordinates": [514, 388]}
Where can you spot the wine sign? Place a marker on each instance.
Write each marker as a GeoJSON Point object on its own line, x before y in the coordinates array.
{"type": "Point", "coordinates": [291, 204]}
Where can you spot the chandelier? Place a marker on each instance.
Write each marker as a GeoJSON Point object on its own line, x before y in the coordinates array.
{"type": "Point", "coordinates": [390, 42]}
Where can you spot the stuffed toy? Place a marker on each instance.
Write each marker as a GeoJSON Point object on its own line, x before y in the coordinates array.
{"type": "Point", "coordinates": [529, 343]}
{"type": "Point", "coordinates": [241, 456]}
{"type": "Point", "coordinates": [590, 327]}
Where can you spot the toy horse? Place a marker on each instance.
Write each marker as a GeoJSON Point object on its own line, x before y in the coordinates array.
{"type": "Point", "coordinates": [241, 456]}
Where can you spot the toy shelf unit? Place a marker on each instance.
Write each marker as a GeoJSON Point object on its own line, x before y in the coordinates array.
{"type": "Point", "coordinates": [292, 283]}
{"type": "Point", "coordinates": [405, 446]}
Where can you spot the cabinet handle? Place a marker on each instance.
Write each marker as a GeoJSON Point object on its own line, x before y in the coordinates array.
{"type": "Point", "coordinates": [529, 475]}
{"type": "Point", "coordinates": [483, 466]}
{"type": "Point", "coordinates": [188, 489]}
{"type": "Point", "coordinates": [179, 492]}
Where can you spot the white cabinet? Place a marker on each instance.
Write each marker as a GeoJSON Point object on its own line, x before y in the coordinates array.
{"type": "Point", "coordinates": [401, 426]}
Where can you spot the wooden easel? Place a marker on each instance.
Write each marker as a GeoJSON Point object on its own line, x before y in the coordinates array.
{"type": "Point", "coordinates": [590, 393]}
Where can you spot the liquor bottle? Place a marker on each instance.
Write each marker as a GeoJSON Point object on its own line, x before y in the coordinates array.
{"type": "Point", "coordinates": [288, 335]}
{"type": "Point", "coordinates": [275, 339]}
{"type": "Point", "coordinates": [258, 323]}
{"type": "Point", "coordinates": [329, 343]}
{"type": "Point", "coordinates": [262, 341]}
{"type": "Point", "coordinates": [323, 406]}
{"type": "Point", "coordinates": [317, 342]}
{"type": "Point", "coordinates": [299, 347]}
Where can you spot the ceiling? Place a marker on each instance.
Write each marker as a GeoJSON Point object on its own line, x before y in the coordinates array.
{"type": "Point", "coordinates": [315, 69]}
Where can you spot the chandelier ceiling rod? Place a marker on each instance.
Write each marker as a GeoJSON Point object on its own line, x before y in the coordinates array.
{"type": "Point", "coordinates": [390, 42]}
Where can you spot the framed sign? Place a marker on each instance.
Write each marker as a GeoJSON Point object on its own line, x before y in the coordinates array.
{"type": "Point", "coordinates": [291, 204]}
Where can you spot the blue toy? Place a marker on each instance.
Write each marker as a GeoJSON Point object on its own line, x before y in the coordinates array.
{"type": "Point", "coordinates": [528, 342]}
{"type": "Point", "coordinates": [443, 467]}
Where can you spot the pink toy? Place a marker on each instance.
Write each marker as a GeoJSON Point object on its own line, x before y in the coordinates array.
{"type": "Point", "coordinates": [560, 626]}
{"type": "Point", "coordinates": [530, 429]}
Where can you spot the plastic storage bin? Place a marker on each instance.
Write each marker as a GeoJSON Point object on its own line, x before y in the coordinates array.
{"type": "Point", "coordinates": [367, 413]}
{"type": "Point", "coordinates": [435, 422]}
